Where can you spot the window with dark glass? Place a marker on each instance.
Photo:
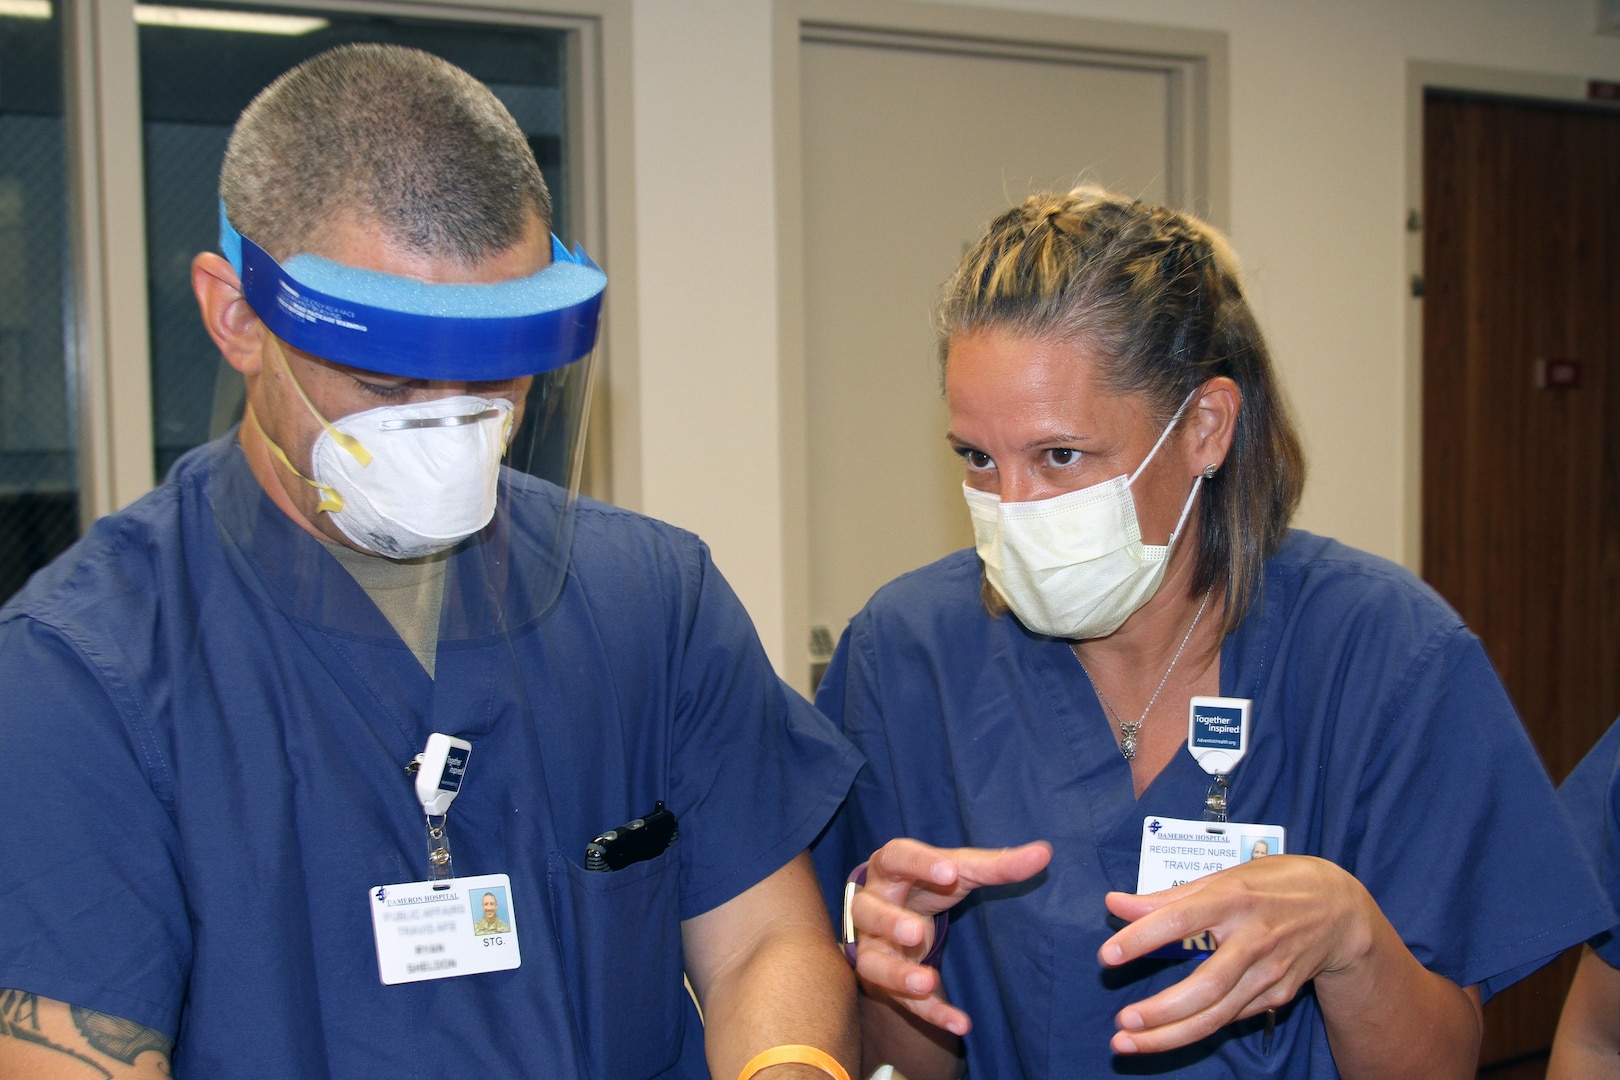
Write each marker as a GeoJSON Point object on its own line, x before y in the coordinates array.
{"type": "Point", "coordinates": [39, 512]}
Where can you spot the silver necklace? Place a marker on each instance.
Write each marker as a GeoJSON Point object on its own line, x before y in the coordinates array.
{"type": "Point", "coordinates": [1130, 729]}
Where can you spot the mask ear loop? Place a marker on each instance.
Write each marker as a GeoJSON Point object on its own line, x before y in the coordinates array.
{"type": "Point", "coordinates": [348, 442]}
{"type": "Point", "coordinates": [1163, 435]}
{"type": "Point", "coordinates": [1198, 481]}
{"type": "Point", "coordinates": [331, 502]}
{"type": "Point", "coordinates": [1186, 508]}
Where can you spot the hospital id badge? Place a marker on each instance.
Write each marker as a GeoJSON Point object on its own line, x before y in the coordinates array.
{"type": "Point", "coordinates": [1175, 851]}
{"type": "Point", "coordinates": [423, 932]}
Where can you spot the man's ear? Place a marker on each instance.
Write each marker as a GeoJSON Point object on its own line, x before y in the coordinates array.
{"type": "Point", "coordinates": [225, 312]}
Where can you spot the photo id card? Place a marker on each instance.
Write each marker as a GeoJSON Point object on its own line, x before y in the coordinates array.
{"type": "Point", "coordinates": [1175, 851]}
{"type": "Point", "coordinates": [467, 928]}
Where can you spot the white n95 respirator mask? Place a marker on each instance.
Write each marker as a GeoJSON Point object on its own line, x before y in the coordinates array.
{"type": "Point", "coordinates": [1073, 566]}
{"type": "Point", "coordinates": [430, 479]}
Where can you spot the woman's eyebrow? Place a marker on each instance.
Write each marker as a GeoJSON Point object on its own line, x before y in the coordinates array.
{"type": "Point", "coordinates": [1044, 440]}
{"type": "Point", "coordinates": [1056, 438]}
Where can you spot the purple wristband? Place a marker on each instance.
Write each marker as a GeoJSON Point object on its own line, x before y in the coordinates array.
{"type": "Point", "coordinates": [942, 923]}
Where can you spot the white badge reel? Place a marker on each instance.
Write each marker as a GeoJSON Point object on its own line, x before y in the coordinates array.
{"type": "Point", "coordinates": [1217, 738]}
{"type": "Point", "coordinates": [444, 926]}
{"type": "Point", "coordinates": [1218, 733]}
{"type": "Point", "coordinates": [440, 769]}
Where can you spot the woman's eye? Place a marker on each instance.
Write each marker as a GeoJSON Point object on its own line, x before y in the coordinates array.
{"type": "Point", "coordinates": [977, 460]}
{"type": "Point", "coordinates": [1062, 456]}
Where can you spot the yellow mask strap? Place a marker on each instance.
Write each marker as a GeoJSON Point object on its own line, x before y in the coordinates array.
{"type": "Point", "coordinates": [331, 501]}
{"type": "Point", "coordinates": [348, 442]}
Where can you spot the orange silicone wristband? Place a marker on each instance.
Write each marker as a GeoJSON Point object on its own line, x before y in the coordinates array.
{"type": "Point", "coordinates": [794, 1054]}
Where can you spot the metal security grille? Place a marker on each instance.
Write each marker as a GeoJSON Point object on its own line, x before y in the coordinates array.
{"type": "Point", "coordinates": [38, 483]}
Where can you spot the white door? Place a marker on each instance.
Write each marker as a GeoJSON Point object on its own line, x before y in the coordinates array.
{"type": "Point", "coordinates": [909, 148]}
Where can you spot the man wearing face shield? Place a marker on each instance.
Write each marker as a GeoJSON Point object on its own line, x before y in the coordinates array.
{"type": "Point", "coordinates": [239, 711]}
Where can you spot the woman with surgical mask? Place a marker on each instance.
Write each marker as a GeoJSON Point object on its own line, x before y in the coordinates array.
{"type": "Point", "coordinates": [1074, 731]}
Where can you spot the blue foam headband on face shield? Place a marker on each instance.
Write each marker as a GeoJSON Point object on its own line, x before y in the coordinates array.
{"type": "Point", "coordinates": [397, 325]}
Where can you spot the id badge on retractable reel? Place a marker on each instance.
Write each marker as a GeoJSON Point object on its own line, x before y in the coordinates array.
{"type": "Point", "coordinates": [1178, 850]}
{"type": "Point", "coordinates": [444, 926]}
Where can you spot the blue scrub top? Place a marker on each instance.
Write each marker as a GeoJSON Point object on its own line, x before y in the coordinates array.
{"type": "Point", "coordinates": [1382, 740]}
{"type": "Point", "coordinates": [208, 777]}
{"type": "Point", "coordinates": [1591, 794]}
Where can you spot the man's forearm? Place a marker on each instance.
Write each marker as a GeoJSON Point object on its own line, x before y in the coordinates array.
{"type": "Point", "coordinates": [794, 989]}
{"type": "Point", "coordinates": [768, 973]}
{"type": "Point", "coordinates": [42, 1039]}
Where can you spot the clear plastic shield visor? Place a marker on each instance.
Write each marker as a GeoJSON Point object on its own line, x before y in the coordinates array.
{"type": "Point", "coordinates": [442, 519]}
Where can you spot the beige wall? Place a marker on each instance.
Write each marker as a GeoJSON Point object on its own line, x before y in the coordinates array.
{"type": "Point", "coordinates": [1320, 165]}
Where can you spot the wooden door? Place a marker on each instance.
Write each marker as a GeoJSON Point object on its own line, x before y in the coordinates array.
{"type": "Point", "coordinates": [1521, 444]}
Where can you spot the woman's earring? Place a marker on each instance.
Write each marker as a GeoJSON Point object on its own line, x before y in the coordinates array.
{"type": "Point", "coordinates": [1209, 472]}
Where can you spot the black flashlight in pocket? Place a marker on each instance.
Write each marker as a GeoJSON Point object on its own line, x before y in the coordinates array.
{"type": "Point", "coordinates": [634, 841]}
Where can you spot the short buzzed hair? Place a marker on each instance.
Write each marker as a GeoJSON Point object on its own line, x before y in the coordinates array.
{"type": "Point", "coordinates": [403, 140]}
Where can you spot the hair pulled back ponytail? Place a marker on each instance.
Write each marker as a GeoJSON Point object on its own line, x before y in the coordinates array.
{"type": "Point", "coordinates": [1156, 295]}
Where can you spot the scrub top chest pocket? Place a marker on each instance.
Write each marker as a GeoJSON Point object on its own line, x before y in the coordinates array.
{"type": "Point", "coordinates": [619, 933]}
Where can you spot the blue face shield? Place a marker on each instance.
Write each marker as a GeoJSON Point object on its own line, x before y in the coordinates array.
{"type": "Point", "coordinates": [423, 330]}
{"type": "Point", "coordinates": [396, 483]}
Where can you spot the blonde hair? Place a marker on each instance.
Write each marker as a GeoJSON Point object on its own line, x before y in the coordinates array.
{"type": "Point", "coordinates": [1156, 295]}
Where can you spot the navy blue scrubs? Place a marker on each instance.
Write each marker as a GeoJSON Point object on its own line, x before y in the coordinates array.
{"type": "Point", "coordinates": [207, 724]}
{"type": "Point", "coordinates": [1591, 794]}
{"type": "Point", "coordinates": [1382, 740]}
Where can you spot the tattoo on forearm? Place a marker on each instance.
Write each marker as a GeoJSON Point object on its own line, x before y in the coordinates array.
{"type": "Point", "coordinates": [117, 1037]}
{"type": "Point", "coordinates": [19, 1019]}
{"type": "Point", "coordinates": [19, 1012]}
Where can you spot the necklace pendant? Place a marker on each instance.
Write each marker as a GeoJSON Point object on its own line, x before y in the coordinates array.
{"type": "Point", "coordinates": [1127, 739]}
{"type": "Point", "coordinates": [1128, 729]}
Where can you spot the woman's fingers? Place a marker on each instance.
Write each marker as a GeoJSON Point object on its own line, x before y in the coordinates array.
{"type": "Point", "coordinates": [897, 866]}
{"type": "Point", "coordinates": [892, 972]}
{"type": "Point", "coordinates": [929, 879]}
{"type": "Point", "coordinates": [907, 884]}
{"type": "Point", "coordinates": [911, 987]}
{"type": "Point", "coordinates": [891, 922]}
{"type": "Point", "coordinates": [1201, 1011]}
{"type": "Point", "coordinates": [1155, 920]}
{"type": "Point", "coordinates": [1001, 866]}
{"type": "Point", "coordinates": [1275, 924]}
{"type": "Point", "coordinates": [1219, 991]}
{"type": "Point", "coordinates": [942, 1014]}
